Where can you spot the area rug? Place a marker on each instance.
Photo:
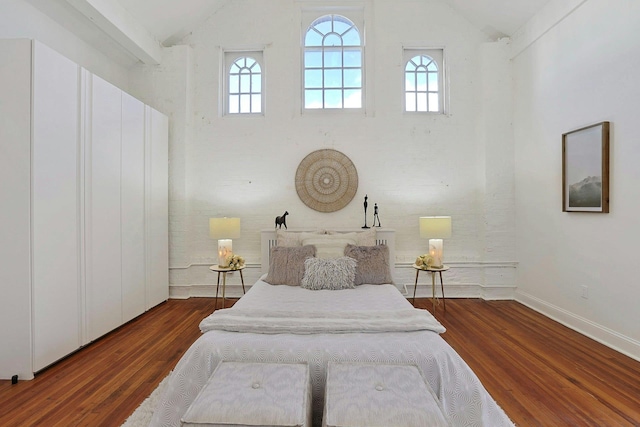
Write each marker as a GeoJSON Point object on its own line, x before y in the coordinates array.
{"type": "Point", "coordinates": [141, 417]}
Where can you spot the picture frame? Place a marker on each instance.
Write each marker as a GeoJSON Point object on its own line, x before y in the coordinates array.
{"type": "Point", "coordinates": [585, 169]}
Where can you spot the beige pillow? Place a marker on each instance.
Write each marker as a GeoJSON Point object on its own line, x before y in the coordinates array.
{"type": "Point", "coordinates": [327, 245]}
{"type": "Point", "coordinates": [373, 264]}
{"type": "Point", "coordinates": [362, 238]}
{"type": "Point", "coordinates": [286, 264]}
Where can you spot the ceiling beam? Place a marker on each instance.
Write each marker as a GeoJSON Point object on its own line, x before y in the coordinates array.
{"type": "Point", "coordinates": [121, 26]}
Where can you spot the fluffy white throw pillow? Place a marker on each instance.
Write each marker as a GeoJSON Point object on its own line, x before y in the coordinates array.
{"type": "Point", "coordinates": [334, 273]}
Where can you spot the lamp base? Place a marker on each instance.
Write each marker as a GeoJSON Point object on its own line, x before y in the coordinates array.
{"type": "Point", "coordinates": [435, 251]}
{"type": "Point", "coordinates": [225, 248]}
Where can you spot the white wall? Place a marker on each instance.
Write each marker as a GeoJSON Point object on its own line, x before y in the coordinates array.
{"type": "Point", "coordinates": [458, 164]}
{"type": "Point", "coordinates": [20, 19]}
{"type": "Point", "coordinates": [582, 71]}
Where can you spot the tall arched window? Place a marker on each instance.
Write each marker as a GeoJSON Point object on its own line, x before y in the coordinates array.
{"type": "Point", "coordinates": [422, 84]}
{"type": "Point", "coordinates": [332, 64]}
{"type": "Point", "coordinates": [245, 86]}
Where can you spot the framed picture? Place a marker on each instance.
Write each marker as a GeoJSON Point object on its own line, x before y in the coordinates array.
{"type": "Point", "coordinates": [585, 169]}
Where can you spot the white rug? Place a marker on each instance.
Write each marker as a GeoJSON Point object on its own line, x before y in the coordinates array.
{"type": "Point", "coordinates": [141, 417]}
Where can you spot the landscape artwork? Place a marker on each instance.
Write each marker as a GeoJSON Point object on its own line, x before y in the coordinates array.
{"type": "Point", "coordinates": [585, 169]}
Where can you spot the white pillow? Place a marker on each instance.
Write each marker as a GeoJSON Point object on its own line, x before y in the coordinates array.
{"type": "Point", "coordinates": [327, 245]}
{"type": "Point", "coordinates": [333, 274]}
{"type": "Point", "coordinates": [292, 238]}
{"type": "Point", "coordinates": [362, 238]}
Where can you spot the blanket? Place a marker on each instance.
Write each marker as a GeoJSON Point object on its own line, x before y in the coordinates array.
{"type": "Point", "coordinates": [264, 321]}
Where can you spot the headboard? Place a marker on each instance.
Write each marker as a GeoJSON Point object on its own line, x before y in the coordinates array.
{"type": "Point", "coordinates": [384, 236]}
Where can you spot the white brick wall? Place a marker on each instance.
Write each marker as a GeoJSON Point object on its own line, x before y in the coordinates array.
{"type": "Point", "coordinates": [458, 164]}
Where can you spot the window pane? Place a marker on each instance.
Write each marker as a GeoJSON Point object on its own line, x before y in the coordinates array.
{"type": "Point", "coordinates": [421, 81]}
{"type": "Point", "coordinates": [332, 40]}
{"type": "Point", "coordinates": [324, 26]}
{"type": "Point", "coordinates": [333, 99]}
{"type": "Point", "coordinates": [256, 83]}
{"type": "Point", "coordinates": [432, 67]}
{"type": "Point", "coordinates": [340, 26]}
{"type": "Point", "coordinates": [256, 103]}
{"type": "Point", "coordinates": [353, 98]}
{"type": "Point", "coordinates": [409, 82]}
{"type": "Point", "coordinates": [235, 69]}
{"type": "Point", "coordinates": [313, 58]}
{"type": "Point", "coordinates": [245, 103]}
{"type": "Point", "coordinates": [312, 78]}
{"type": "Point", "coordinates": [410, 102]}
{"type": "Point", "coordinates": [312, 99]}
{"type": "Point", "coordinates": [351, 37]}
{"type": "Point", "coordinates": [313, 38]}
{"type": "Point", "coordinates": [433, 81]}
{"type": "Point", "coordinates": [353, 78]}
{"type": "Point", "coordinates": [244, 83]}
{"type": "Point", "coordinates": [333, 58]}
{"type": "Point", "coordinates": [411, 65]}
{"type": "Point", "coordinates": [433, 102]}
{"type": "Point", "coordinates": [234, 101]}
{"type": "Point", "coordinates": [234, 84]}
{"type": "Point", "coordinates": [249, 62]}
{"type": "Point", "coordinates": [332, 78]}
{"type": "Point", "coordinates": [352, 58]}
{"type": "Point", "coordinates": [422, 101]}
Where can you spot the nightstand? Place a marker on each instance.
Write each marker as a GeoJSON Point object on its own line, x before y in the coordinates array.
{"type": "Point", "coordinates": [433, 272]}
{"type": "Point", "coordinates": [224, 271]}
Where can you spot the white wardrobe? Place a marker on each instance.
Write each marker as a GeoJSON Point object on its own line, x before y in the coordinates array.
{"type": "Point", "coordinates": [84, 216]}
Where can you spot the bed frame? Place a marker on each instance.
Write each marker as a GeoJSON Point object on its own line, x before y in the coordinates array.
{"type": "Point", "coordinates": [384, 236]}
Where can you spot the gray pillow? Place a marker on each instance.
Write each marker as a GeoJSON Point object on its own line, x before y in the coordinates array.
{"type": "Point", "coordinates": [333, 273]}
{"type": "Point", "coordinates": [373, 264]}
{"type": "Point", "coordinates": [286, 264]}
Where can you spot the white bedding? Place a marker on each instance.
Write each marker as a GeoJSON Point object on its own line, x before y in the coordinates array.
{"type": "Point", "coordinates": [463, 397]}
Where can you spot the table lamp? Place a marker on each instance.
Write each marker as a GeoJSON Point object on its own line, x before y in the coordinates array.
{"type": "Point", "coordinates": [224, 229]}
{"type": "Point", "coordinates": [435, 228]}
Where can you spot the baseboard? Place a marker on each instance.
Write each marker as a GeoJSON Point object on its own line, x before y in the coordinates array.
{"type": "Point", "coordinates": [602, 334]}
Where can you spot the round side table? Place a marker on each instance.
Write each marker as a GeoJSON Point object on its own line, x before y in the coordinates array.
{"type": "Point", "coordinates": [433, 272]}
{"type": "Point", "coordinates": [224, 271]}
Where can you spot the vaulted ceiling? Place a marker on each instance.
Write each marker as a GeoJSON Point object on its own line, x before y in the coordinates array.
{"type": "Point", "coordinates": [141, 27]}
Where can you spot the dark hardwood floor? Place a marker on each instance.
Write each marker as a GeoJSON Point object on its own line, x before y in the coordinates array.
{"type": "Point", "coordinates": [541, 373]}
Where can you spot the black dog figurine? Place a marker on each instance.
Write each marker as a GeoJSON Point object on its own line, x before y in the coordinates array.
{"type": "Point", "coordinates": [282, 220]}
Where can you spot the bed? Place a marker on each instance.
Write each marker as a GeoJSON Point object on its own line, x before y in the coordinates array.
{"type": "Point", "coordinates": [370, 323]}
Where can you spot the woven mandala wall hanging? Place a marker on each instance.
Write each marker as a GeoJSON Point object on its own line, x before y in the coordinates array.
{"type": "Point", "coordinates": [326, 180]}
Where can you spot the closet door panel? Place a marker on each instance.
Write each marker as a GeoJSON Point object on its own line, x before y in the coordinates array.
{"type": "Point", "coordinates": [158, 208]}
{"type": "Point", "coordinates": [15, 181]}
{"type": "Point", "coordinates": [55, 208]}
{"type": "Point", "coordinates": [104, 255]}
{"type": "Point", "coordinates": [132, 187]}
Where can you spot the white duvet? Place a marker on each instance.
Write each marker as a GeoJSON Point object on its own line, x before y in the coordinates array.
{"type": "Point", "coordinates": [373, 323]}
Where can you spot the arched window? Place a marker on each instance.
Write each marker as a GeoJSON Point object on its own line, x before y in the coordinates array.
{"type": "Point", "coordinates": [332, 64]}
{"type": "Point", "coordinates": [423, 84]}
{"type": "Point", "coordinates": [245, 86]}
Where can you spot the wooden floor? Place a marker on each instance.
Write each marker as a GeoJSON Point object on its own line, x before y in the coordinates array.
{"type": "Point", "coordinates": [541, 373]}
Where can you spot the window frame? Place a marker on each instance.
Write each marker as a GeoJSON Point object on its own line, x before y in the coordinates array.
{"type": "Point", "coordinates": [356, 17]}
{"type": "Point", "coordinates": [437, 54]}
{"type": "Point", "coordinates": [229, 58]}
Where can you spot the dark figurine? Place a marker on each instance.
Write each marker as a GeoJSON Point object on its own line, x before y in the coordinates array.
{"type": "Point", "coordinates": [375, 215]}
{"type": "Point", "coordinates": [365, 211]}
{"type": "Point", "coordinates": [282, 220]}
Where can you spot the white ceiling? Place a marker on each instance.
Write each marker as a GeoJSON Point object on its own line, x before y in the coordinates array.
{"type": "Point", "coordinates": [170, 20]}
{"type": "Point", "coordinates": [129, 31]}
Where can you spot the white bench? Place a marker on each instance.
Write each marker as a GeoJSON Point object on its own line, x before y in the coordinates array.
{"type": "Point", "coordinates": [378, 395]}
{"type": "Point", "coordinates": [253, 394]}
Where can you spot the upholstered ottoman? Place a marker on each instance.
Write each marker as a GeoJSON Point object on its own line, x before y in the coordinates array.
{"type": "Point", "coordinates": [253, 394]}
{"type": "Point", "coordinates": [377, 395]}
